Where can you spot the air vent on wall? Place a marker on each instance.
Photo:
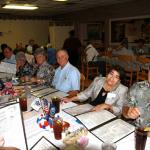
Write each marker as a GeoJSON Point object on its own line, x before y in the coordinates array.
{"type": "Point", "coordinates": [23, 1]}
{"type": "Point", "coordinates": [70, 3]}
{"type": "Point", "coordinates": [5, 14]}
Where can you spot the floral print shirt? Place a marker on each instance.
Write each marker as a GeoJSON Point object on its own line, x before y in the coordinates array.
{"type": "Point", "coordinates": [139, 96]}
{"type": "Point", "coordinates": [45, 72]}
{"type": "Point", "coordinates": [26, 70]}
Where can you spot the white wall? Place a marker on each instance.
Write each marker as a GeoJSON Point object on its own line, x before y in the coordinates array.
{"type": "Point", "coordinates": [58, 34]}
{"type": "Point", "coordinates": [14, 31]}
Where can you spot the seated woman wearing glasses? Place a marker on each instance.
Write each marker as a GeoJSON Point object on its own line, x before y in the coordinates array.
{"type": "Point", "coordinates": [24, 69]}
{"type": "Point", "coordinates": [44, 72]}
{"type": "Point", "coordinates": [105, 92]}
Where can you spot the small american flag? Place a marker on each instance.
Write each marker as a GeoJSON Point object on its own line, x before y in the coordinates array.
{"type": "Point", "coordinates": [45, 106]}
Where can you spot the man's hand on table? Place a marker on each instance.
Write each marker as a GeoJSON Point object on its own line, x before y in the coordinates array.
{"type": "Point", "coordinates": [66, 100]}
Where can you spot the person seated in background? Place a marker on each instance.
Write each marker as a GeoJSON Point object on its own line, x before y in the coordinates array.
{"type": "Point", "coordinates": [9, 56]}
{"type": "Point", "coordinates": [141, 49]}
{"type": "Point", "coordinates": [29, 55]}
{"type": "Point", "coordinates": [91, 56]}
{"type": "Point", "coordinates": [67, 77]}
{"type": "Point", "coordinates": [123, 49]}
{"type": "Point", "coordinates": [24, 69]}
{"type": "Point", "coordinates": [137, 106]}
{"type": "Point", "coordinates": [3, 46]}
{"type": "Point", "coordinates": [105, 92]}
{"type": "Point", "coordinates": [51, 54]}
{"type": "Point", "coordinates": [91, 52]}
{"type": "Point", "coordinates": [19, 48]}
{"type": "Point", "coordinates": [44, 72]}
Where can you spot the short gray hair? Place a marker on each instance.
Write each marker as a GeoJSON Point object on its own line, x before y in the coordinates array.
{"type": "Point", "coordinates": [63, 50]}
{"type": "Point", "coordinates": [40, 51]}
{"type": "Point", "coordinates": [20, 56]}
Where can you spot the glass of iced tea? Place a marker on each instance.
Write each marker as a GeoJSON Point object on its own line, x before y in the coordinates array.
{"type": "Point", "coordinates": [140, 138]}
{"type": "Point", "coordinates": [57, 127]}
{"type": "Point", "coordinates": [23, 103]}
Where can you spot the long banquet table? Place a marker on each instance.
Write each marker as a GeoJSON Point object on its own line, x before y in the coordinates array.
{"type": "Point", "coordinates": [34, 132]}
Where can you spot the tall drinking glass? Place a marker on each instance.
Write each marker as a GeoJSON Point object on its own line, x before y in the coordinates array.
{"type": "Point", "coordinates": [57, 128]}
{"type": "Point", "coordinates": [140, 138]}
{"type": "Point", "coordinates": [56, 102]}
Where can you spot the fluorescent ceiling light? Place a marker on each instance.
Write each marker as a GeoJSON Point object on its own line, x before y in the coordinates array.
{"type": "Point", "coordinates": [20, 6]}
{"type": "Point", "coordinates": [60, 0]}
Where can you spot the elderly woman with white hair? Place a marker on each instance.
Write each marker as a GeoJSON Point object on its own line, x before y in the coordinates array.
{"type": "Point", "coordinates": [24, 69]}
{"type": "Point", "coordinates": [44, 72]}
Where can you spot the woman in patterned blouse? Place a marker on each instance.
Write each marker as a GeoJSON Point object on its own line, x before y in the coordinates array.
{"type": "Point", "coordinates": [44, 72]}
{"type": "Point", "coordinates": [24, 69]}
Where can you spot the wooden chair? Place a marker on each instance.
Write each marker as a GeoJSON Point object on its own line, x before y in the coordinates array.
{"type": "Point", "coordinates": [126, 62]}
{"type": "Point", "coordinates": [108, 66]}
{"type": "Point", "coordinates": [108, 54]}
{"type": "Point", "coordinates": [88, 69]}
{"type": "Point", "coordinates": [142, 59]}
{"type": "Point", "coordinates": [141, 74]}
{"type": "Point", "coordinates": [82, 81]}
{"type": "Point", "coordinates": [142, 70]}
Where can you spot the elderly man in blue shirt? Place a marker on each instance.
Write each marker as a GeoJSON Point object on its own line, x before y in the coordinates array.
{"type": "Point", "coordinates": [67, 77]}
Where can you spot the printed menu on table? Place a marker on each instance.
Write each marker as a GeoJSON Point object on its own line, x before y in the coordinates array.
{"type": "Point", "coordinates": [58, 94]}
{"type": "Point", "coordinates": [12, 127]}
{"type": "Point", "coordinates": [7, 67]}
{"type": "Point", "coordinates": [79, 109]}
{"type": "Point", "coordinates": [43, 92]}
{"type": "Point", "coordinates": [95, 118]}
{"type": "Point", "coordinates": [68, 105]}
{"type": "Point", "coordinates": [37, 88]}
{"type": "Point", "coordinates": [113, 131]}
{"type": "Point", "coordinates": [44, 144]}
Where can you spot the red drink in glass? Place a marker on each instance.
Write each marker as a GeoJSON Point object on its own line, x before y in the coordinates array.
{"type": "Point", "coordinates": [140, 139]}
{"type": "Point", "coordinates": [57, 128]}
{"type": "Point", "coordinates": [23, 103]}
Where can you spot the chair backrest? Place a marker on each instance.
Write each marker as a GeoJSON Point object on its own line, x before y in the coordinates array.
{"type": "Point", "coordinates": [141, 74]}
{"type": "Point", "coordinates": [141, 68]}
{"type": "Point", "coordinates": [126, 61]}
{"type": "Point", "coordinates": [126, 58]}
{"type": "Point", "coordinates": [108, 53]}
{"type": "Point", "coordinates": [142, 59]}
{"type": "Point", "coordinates": [83, 60]}
{"type": "Point", "coordinates": [82, 81]}
{"type": "Point", "coordinates": [86, 68]}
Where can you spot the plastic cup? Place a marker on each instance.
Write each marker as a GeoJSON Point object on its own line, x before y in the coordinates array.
{"type": "Point", "coordinates": [57, 128]}
{"type": "Point", "coordinates": [140, 139]}
{"type": "Point", "coordinates": [23, 103]}
{"type": "Point", "coordinates": [56, 103]}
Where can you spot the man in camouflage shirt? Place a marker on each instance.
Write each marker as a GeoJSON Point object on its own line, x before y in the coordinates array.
{"type": "Point", "coordinates": [138, 105]}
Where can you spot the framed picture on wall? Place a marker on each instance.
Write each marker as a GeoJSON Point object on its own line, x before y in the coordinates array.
{"type": "Point", "coordinates": [117, 31]}
{"type": "Point", "coordinates": [95, 31]}
{"type": "Point", "coordinates": [132, 28]}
